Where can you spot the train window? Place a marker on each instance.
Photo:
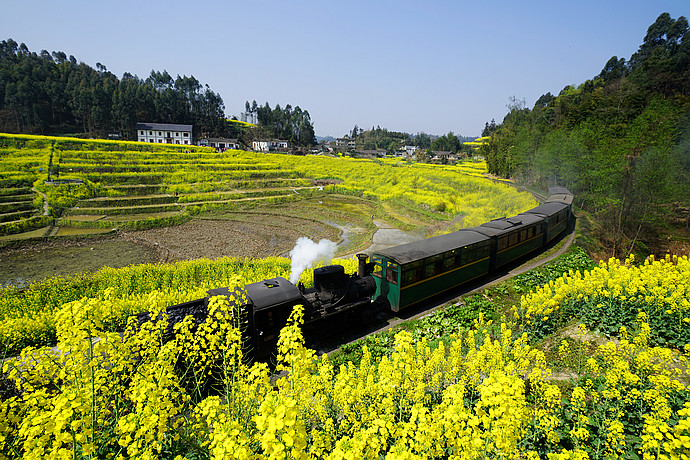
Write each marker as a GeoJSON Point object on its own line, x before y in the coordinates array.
{"type": "Point", "coordinates": [483, 251]}
{"type": "Point", "coordinates": [392, 273]}
{"type": "Point", "coordinates": [463, 256]}
{"type": "Point", "coordinates": [434, 266]}
{"type": "Point", "coordinates": [502, 243]}
{"type": "Point", "coordinates": [408, 277]}
{"type": "Point", "coordinates": [512, 239]}
{"type": "Point", "coordinates": [449, 259]}
{"type": "Point", "coordinates": [377, 267]}
{"type": "Point", "coordinates": [523, 235]}
{"type": "Point", "coordinates": [471, 253]}
{"type": "Point", "coordinates": [537, 230]}
{"type": "Point", "coordinates": [438, 267]}
{"type": "Point", "coordinates": [411, 275]}
{"type": "Point", "coordinates": [417, 263]}
{"type": "Point", "coordinates": [436, 258]}
{"type": "Point", "coordinates": [449, 262]}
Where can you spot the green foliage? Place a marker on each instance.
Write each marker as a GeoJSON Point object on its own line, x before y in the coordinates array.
{"type": "Point", "coordinates": [616, 141]}
{"type": "Point", "coordinates": [48, 92]}
{"type": "Point", "coordinates": [24, 225]}
{"type": "Point", "coordinates": [293, 125]}
{"type": "Point", "coordinates": [609, 314]}
{"type": "Point", "coordinates": [448, 143]}
{"type": "Point", "coordinates": [448, 320]}
{"type": "Point", "coordinates": [66, 195]}
{"type": "Point", "coordinates": [438, 325]}
{"type": "Point", "coordinates": [575, 260]}
{"type": "Point", "coordinates": [380, 138]}
{"type": "Point", "coordinates": [378, 345]}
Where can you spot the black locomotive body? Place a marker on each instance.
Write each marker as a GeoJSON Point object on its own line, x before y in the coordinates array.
{"type": "Point", "coordinates": [396, 277]}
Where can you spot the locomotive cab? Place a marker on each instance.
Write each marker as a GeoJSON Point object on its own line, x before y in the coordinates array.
{"type": "Point", "coordinates": [269, 306]}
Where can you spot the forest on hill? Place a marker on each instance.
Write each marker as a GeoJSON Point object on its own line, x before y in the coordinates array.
{"type": "Point", "coordinates": [51, 93]}
{"type": "Point", "coordinates": [620, 141]}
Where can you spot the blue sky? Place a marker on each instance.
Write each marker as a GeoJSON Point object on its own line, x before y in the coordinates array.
{"type": "Point", "coordinates": [415, 66]}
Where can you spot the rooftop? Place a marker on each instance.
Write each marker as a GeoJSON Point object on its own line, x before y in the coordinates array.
{"type": "Point", "coordinates": [164, 126]}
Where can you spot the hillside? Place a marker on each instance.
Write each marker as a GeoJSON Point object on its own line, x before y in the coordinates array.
{"type": "Point", "coordinates": [620, 142]}
{"type": "Point", "coordinates": [102, 185]}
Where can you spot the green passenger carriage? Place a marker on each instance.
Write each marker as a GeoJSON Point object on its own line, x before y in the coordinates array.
{"type": "Point", "coordinates": [412, 272]}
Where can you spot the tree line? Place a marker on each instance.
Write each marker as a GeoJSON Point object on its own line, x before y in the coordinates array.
{"type": "Point", "coordinates": [378, 138]}
{"type": "Point", "coordinates": [291, 124]}
{"type": "Point", "coordinates": [620, 141]}
{"type": "Point", "coordinates": [50, 93]}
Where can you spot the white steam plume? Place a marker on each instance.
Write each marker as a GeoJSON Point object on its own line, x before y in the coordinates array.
{"type": "Point", "coordinates": [306, 252]}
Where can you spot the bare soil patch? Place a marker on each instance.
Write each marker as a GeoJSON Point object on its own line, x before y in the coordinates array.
{"type": "Point", "coordinates": [22, 263]}
{"type": "Point", "coordinates": [256, 238]}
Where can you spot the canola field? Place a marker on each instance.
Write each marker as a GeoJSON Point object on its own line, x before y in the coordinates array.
{"type": "Point", "coordinates": [483, 392]}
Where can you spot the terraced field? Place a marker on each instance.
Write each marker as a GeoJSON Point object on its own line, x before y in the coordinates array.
{"type": "Point", "coordinates": [92, 187]}
{"type": "Point", "coordinates": [152, 189]}
{"type": "Point", "coordinates": [21, 206]}
{"type": "Point", "coordinates": [68, 187]}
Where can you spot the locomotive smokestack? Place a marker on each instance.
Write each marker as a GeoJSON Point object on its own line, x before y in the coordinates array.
{"type": "Point", "coordinates": [362, 268]}
{"type": "Point", "coordinates": [306, 252]}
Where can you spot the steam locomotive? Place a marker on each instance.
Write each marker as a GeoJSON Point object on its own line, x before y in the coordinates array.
{"type": "Point", "coordinates": [395, 278]}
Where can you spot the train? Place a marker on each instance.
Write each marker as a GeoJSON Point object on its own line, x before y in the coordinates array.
{"type": "Point", "coordinates": [395, 278]}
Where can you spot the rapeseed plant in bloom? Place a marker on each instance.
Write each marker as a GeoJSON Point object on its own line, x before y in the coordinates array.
{"type": "Point", "coordinates": [484, 393]}
{"type": "Point", "coordinates": [610, 295]}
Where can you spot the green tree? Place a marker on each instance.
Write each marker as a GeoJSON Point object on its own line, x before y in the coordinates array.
{"type": "Point", "coordinates": [422, 140]}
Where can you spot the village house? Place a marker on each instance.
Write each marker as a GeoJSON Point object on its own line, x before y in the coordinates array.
{"type": "Point", "coordinates": [320, 148]}
{"type": "Point", "coordinates": [345, 143]}
{"type": "Point", "coordinates": [378, 153]}
{"type": "Point", "coordinates": [410, 151]}
{"type": "Point", "coordinates": [445, 155]}
{"type": "Point", "coordinates": [164, 133]}
{"type": "Point", "coordinates": [219, 143]}
{"type": "Point", "coordinates": [269, 145]}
